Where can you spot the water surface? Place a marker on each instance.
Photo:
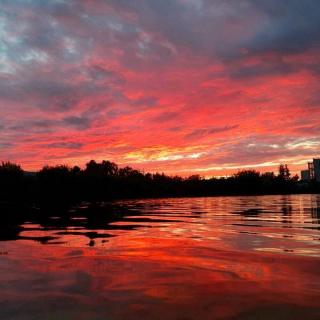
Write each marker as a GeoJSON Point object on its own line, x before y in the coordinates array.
{"type": "Point", "coordinates": [186, 258]}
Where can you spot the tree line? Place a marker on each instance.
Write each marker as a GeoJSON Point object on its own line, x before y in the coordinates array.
{"type": "Point", "coordinates": [105, 180]}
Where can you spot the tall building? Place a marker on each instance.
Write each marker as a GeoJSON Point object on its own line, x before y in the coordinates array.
{"type": "Point", "coordinates": [305, 175]}
{"type": "Point", "coordinates": [316, 169]}
{"type": "Point", "coordinates": [313, 171]}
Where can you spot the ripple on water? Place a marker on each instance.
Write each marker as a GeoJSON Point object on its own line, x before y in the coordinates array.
{"type": "Point", "coordinates": [187, 258]}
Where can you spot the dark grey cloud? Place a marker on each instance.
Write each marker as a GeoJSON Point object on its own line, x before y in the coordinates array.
{"type": "Point", "coordinates": [291, 26]}
{"type": "Point", "coordinates": [56, 90]}
{"type": "Point", "coordinates": [198, 133]}
{"type": "Point", "coordinates": [64, 32]}
{"type": "Point", "coordinates": [263, 68]}
{"type": "Point", "coordinates": [280, 25]}
{"type": "Point", "coordinates": [65, 145]}
{"type": "Point", "coordinates": [6, 145]}
{"type": "Point", "coordinates": [100, 74]}
{"type": "Point", "coordinates": [26, 126]}
{"type": "Point", "coordinates": [203, 26]}
{"type": "Point", "coordinates": [79, 122]}
{"type": "Point", "coordinates": [145, 101]}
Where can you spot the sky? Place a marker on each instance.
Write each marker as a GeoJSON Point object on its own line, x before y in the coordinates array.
{"type": "Point", "coordinates": [177, 86]}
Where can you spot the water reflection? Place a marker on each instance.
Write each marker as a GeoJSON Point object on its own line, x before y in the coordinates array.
{"type": "Point", "coordinates": [190, 258]}
{"type": "Point", "coordinates": [256, 222]}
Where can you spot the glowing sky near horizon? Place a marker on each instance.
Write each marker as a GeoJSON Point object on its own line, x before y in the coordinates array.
{"type": "Point", "coordinates": [177, 86]}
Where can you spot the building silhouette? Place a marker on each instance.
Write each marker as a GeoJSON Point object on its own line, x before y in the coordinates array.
{"type": "Point", "coordinates": [313, 171]}
{"type": "Point", "coordinates": [305, 175]}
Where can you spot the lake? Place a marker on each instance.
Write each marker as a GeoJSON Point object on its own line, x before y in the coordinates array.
{"type": "Point", "coordinates": [185, 258]}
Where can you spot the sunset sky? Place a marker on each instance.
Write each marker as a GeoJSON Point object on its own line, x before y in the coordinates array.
{"type": "Point", "coordinates": [177, 86]}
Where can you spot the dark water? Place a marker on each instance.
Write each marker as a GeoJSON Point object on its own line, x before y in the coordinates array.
{"type": "Point", "coordinates": [192, 258]}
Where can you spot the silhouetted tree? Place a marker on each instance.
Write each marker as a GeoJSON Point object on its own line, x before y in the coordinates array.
{"type": "Point", "coordinates": [11, 181]}
{"type": "Point", "coordinates": [109, 168]}
{"type": "Point", "coordinates": [9, 170]}
{"type": "Point", "coordinates": [248, 181]}
{"type": "Point", "coordinates": [295, 178]}
{"type": "Point", "coordinates": [194, 177]}
{"type": "Point", "coordinates": [248, 175]}
{"type": "Point", "coordinates": [129, 172]}
{"type": "Point", "coordinates": [76, 170]}
{"type": "Point", "coordinates": [284, 172]}
{"type": "Point", "coordinates": [105, 168]}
